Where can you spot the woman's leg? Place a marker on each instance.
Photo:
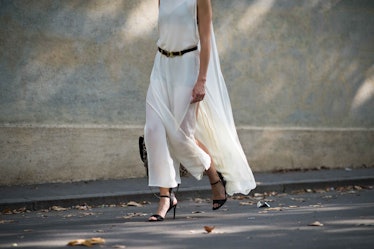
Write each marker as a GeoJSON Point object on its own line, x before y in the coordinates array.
{"type": "Point", "coordinates": [160, 164]}
{"type": "Point", "coordinates": [162, 172]}
{"type": "Point", "coordinates": [218, 190]}
{"type": "Point", "coordinates": [164, 203]}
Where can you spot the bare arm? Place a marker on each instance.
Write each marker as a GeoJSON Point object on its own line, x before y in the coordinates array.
{"type": "Point", "coordinates": [204, 14]}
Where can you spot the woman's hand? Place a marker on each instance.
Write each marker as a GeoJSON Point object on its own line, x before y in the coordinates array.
{"type": "Point", "coordinates": [198, 92]}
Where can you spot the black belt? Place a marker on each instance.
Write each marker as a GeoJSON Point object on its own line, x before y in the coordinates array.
{"type": "Point", "coordinates": [180, 53]}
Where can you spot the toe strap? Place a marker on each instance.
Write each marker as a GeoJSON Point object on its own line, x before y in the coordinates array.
{"type": "Point", "coordinates": [157, 216]}
{"type": "Point", "coordinates": [219, 202]}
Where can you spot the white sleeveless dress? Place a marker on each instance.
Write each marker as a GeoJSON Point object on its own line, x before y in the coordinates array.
{"type": "Point", "coordinates": [173, 124]}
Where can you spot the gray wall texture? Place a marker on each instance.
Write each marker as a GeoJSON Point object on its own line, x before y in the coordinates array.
{"type": "Point", "coordinates": [74, 74]}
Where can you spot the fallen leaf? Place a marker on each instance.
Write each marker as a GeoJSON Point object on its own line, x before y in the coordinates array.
{"type": "Point", "coordinates": [209, 229]}
{"type": "Point", "coordinates": [249, 203]}
{"type": "Point", "coordinates": [357, 187]}
{"type": "Point", "coordinates": [345, 189]}
{"type": "Point", "coordinates": [86, 242]}
{"type": "Point", "coordinates": [58, 208]}
{"type": "Point", "coordinates": [18, 211]}
{"type": "Point", "coordinates": [239, 197]}
{"type": "Point", "coordinates": [316, 224]}
{"type": "Point", "coordinates": [82, 207]}
{"type": "Point", "coordinates": [14, 211]}
{"type": "Point", "coordinates": [79, 242]}
{"type": "Point", "coordinates": [134, 204]}
{"type": "Point", "coordinates": [270, 193]}
{"type": "Point", "coordinates": [7, 211]}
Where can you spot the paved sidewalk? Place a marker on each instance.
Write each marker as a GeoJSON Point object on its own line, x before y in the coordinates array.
{"type": "Point", "coordinates": [115, 191]}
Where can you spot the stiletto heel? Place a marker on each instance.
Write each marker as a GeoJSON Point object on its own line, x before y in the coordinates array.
{"type": "Point", "coordinates": [220, 202]}
{"type": "Point", "coordinates": [171, 206]}
{"type": "Point", "coordinates": [175, 209]}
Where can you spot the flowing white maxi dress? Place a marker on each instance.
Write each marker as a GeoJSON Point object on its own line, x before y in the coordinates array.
{"type": "Point", "coordinates": [173, 124]}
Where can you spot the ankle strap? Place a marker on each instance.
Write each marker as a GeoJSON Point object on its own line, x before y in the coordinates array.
{"type": "Point", "coordinates": [164, 196]}
{"type": "Point", "coordinates": [216, 182]}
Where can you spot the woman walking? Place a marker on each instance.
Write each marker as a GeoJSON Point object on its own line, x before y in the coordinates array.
{"type": "Point", "coordinates": [188, 112]}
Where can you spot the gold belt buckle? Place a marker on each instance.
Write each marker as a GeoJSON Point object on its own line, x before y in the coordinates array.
{"type": "Point", "coordinates": [170, 54]}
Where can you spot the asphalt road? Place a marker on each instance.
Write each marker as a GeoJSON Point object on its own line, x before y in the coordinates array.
{"type": "Point", "coordinates": [325, 218]}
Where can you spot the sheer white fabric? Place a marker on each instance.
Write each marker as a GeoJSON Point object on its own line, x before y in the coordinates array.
{"type": "Point", "coordinates": [172, 123]}
{"type": "Point", "coordinates": [170, 118]}
{"type": "Point", "coordinates": [216, 130]}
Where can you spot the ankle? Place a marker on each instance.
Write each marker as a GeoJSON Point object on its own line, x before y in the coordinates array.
{"type": "Point", "coordinates": [215, 182]}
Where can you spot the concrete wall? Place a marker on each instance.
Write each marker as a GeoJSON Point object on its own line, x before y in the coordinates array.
{"type": "Point", "coordinates": [74, 74]}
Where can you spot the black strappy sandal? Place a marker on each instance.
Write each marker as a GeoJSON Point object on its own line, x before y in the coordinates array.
{"type": "Point", "coordinates": [220, 202]}
{"type": "Point", "coordinates": [171, 206]}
